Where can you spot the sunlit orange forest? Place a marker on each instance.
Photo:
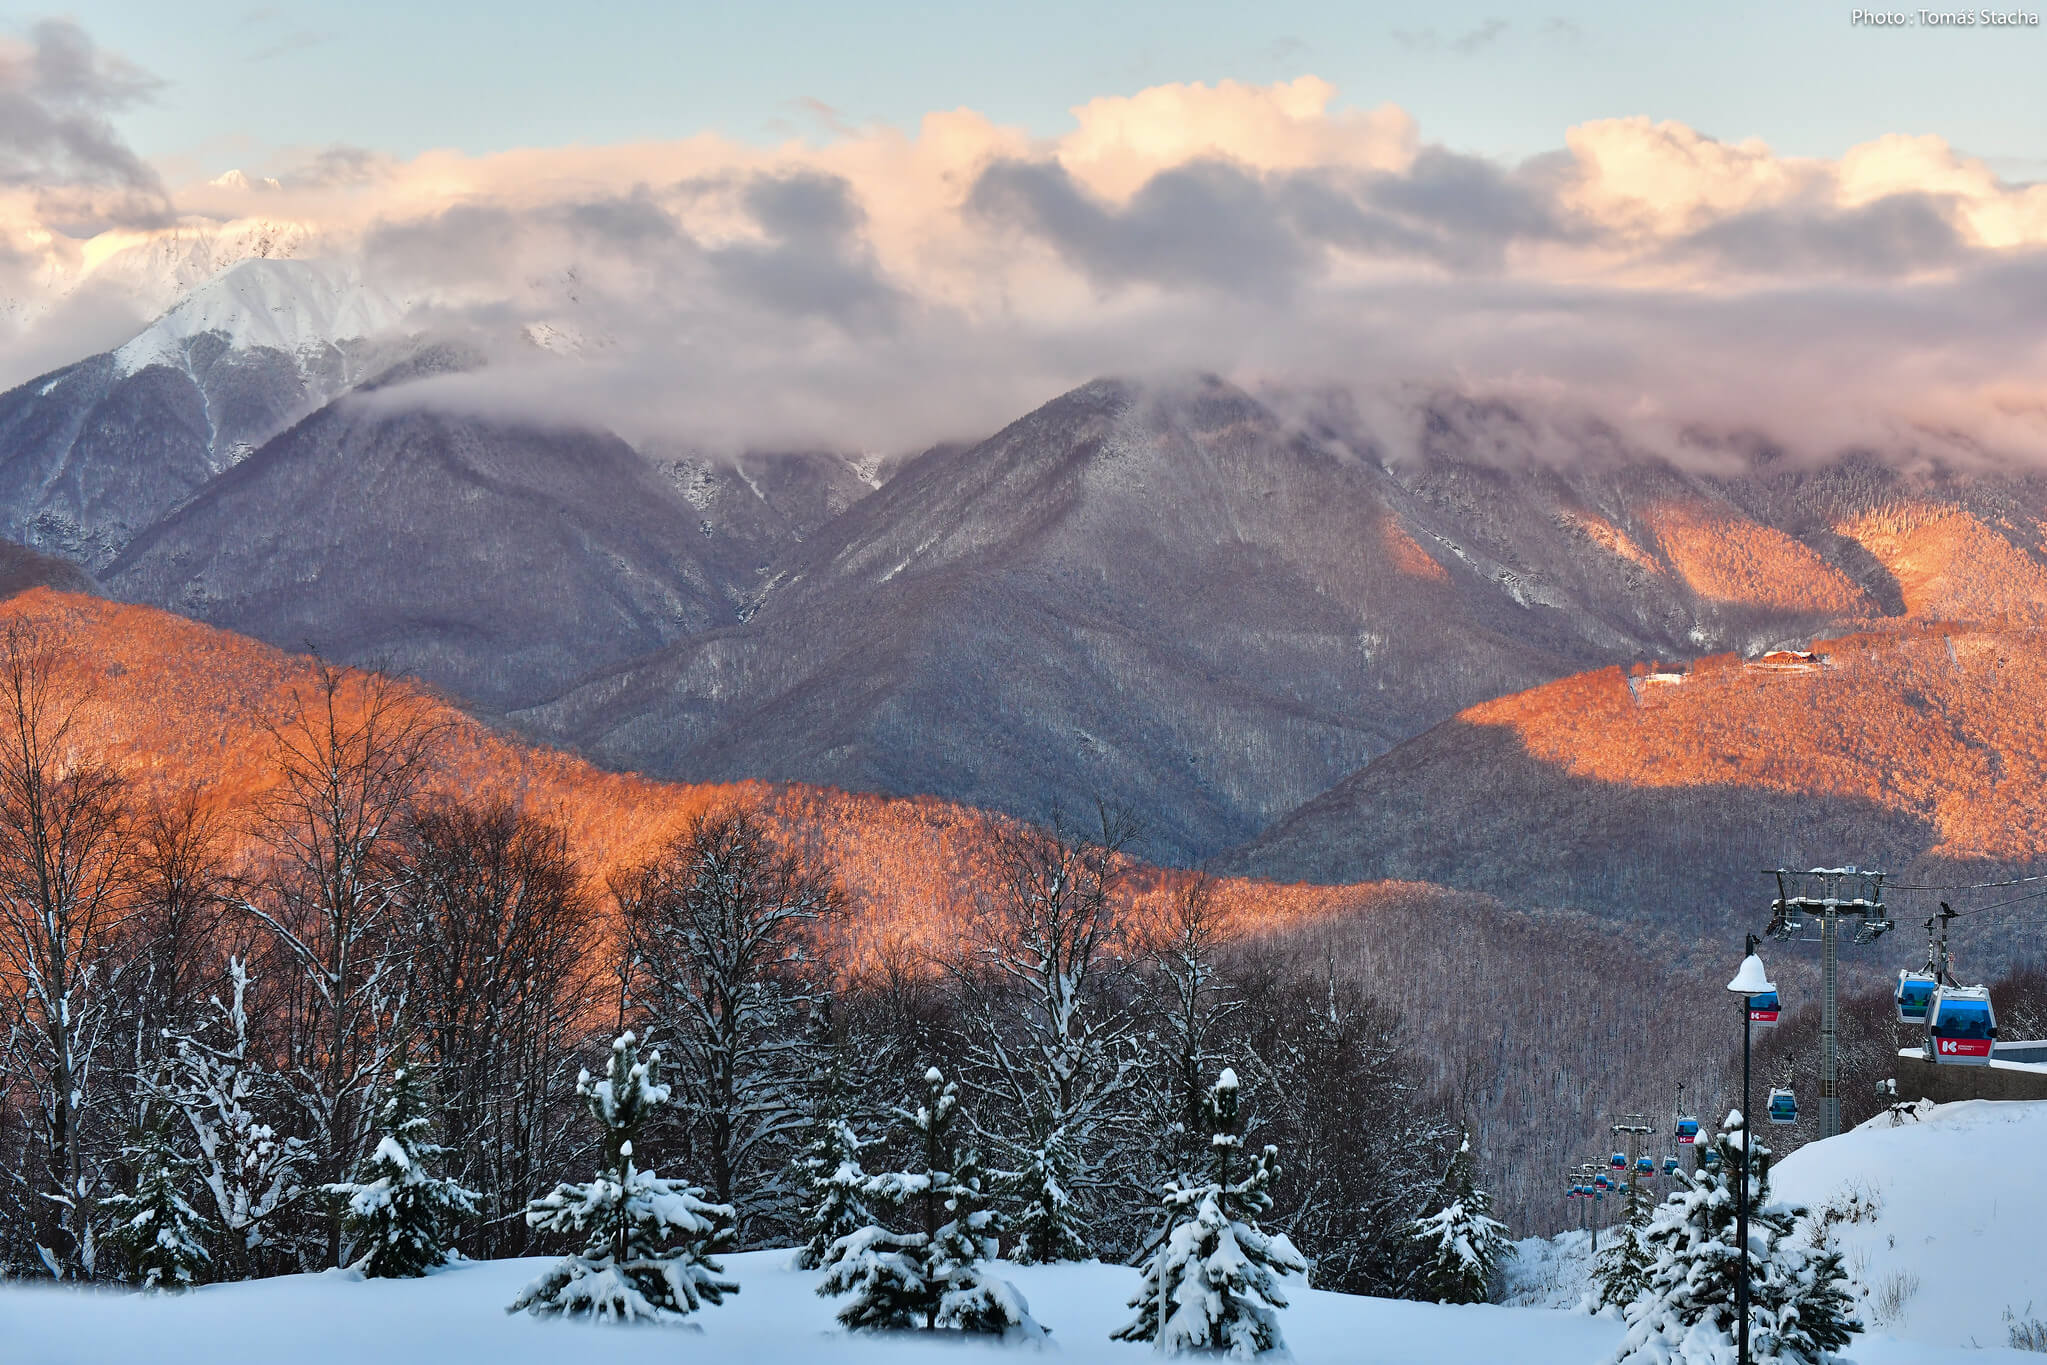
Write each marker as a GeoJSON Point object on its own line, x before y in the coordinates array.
{"type": "Point", "coordinates": [176, 705]}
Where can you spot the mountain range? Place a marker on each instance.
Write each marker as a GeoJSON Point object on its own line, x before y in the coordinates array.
{"type": "Point", "coordinates": [1260, 619]}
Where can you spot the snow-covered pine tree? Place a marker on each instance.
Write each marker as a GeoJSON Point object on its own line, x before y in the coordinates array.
{"type": "Point", "coordinates": [1623, 1269]}
{"type": "Point", "coordinates": [401, 1217]}
{"type": "Point", "coordinates": [651, 1241]}
{"type": "Point", "coordinates": [828, 1167]}
{"type": "Point", "coordinates": [1458, 1248]}
{"type": "Point", "coordinates": [1214, 1282]}
{"type": "Point", "coordinates": [1799, 1307]}
{"type": "Point", "coordinates": [1048, 1224]}
{"type": "Point", "coordinates": [156, 1227]}
{"type": "Point", "coordinates": [934, 1278]}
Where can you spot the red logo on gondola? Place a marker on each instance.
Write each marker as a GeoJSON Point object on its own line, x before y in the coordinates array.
{"type": "Point", "coordinates": [1963, 1047]}
{"type": "Point", "coordinates": [1762, 1016]}
{"type": "Point", "coordinates": [1686, 1138]}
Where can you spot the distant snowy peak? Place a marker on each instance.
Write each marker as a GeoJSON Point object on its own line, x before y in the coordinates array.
{"type": "Point", "coordinates": [239, 180]}
{"type": "Point", "coordinates": [284, 305]}
{"type": "Point", "coordinates": [156, 269]}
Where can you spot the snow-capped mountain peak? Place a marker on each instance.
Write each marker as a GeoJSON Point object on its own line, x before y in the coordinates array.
{"type": "Point", "coordinates": [240, 180]}
{"type": "Point", "coordinates": [284, 305]}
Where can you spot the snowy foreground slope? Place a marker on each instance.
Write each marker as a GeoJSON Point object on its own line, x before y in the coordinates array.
{"type": "Point", "coordinates": [456, 1316]}
{"type": "Point", "coordinates": [1958, 1232]}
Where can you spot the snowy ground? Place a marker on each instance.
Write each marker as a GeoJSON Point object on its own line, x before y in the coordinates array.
{"type": "Point", "coordinates": [1548, 1272]}
{"type": "Point", "coordinates": [1959, 1228]}
{"type": "Point", "coordinates": [457, 1316]}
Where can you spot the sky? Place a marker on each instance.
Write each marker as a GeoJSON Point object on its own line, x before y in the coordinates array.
{"type": "Point", "coordinates": [881, 225]}
{"type": "Point", "coordinates": [1498, 80]}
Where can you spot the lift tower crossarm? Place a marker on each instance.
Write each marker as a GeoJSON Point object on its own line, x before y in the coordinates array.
{"type": "Point", "coordinates": [1829, 895]}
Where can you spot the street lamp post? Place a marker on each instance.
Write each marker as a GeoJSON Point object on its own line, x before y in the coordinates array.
{"type": "Point", "coordinates": [1750, 980]}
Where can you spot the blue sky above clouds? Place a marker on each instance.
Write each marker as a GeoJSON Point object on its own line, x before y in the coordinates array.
{"type": "Point", "coordinates": [1501, 80]}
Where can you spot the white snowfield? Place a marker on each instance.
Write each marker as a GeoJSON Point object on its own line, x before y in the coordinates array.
{"type": "Point", "coordinates": [281, 304]}
{"type": "Point", "coordinates": [1955, 1204]}
{"type": "Point", "coordinates": [1960, 1210]}
{"type": "Point", "coordinates": [457, 1316]}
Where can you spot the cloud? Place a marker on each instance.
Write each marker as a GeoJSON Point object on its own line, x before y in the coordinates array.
{"type": "Point", "coordinates": [1642, 284]}
{"type": "Point", "coordinates": [1466, 44]}
{"type": "Point", "coordinates": [57, 145]}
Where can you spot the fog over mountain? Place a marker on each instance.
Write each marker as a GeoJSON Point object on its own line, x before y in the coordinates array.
{"type": "Point", "coordinates": [1195, 456]}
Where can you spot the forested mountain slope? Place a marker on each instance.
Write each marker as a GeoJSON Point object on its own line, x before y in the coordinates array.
{"type": "Point", "coordinates": [1657, 797]}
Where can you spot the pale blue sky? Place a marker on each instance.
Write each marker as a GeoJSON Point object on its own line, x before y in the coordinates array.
{"type": "Point", "coordinates": [1498, 79]}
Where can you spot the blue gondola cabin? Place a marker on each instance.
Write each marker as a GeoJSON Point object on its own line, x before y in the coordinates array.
{"type": "Point", "coordinates": [1783, 1107]}
{"type": "Point", "coordinates": [1763, 1010]}
{"type": "Point", "coordinates": [1915, 996]}
{"type": "Point", "coordinates": [1960, 1026]}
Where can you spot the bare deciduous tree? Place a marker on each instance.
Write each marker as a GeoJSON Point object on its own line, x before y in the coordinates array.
{"type": "Point", "coordinates": [1051, 1045]}
{"type": "Point", "coordinates": [501, 929]}
{"type": "Point", "coordinates": [718, 920]}
{"type": "Point", "coordinates": [63, 904]}
{"type": "Point", "coordinates": [351, 752]}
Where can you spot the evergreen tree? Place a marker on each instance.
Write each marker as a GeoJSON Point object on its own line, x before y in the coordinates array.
{"type": "Point", "coordinates": [400, 1216]}
{"type": "Point", "coordinates": [828, 1167]}
{"type": "Point", "coordinates": [163, 1236]}
{"type": "Point", "coordinates": [1623, 1270]}
{"type": "Point", "coordinates": [1460, 1245]}
{"type": "Point", "coordinates": [1213, 1283]}
{"type": "Point", "coordinates": [651, 1241]}
{"type": "Point", "coordinates": [1048, 1224]}
{"type": "Point", "coordinates": [1800, 1311]}
{"type": "Point", "coordinates": [933, 1278]}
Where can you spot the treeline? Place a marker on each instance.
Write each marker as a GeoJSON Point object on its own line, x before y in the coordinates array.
{"type": "Point", "coordinates": [209, 1006]}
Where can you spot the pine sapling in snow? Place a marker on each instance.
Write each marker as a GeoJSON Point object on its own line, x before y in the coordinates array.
{"type": "Point", "coordinates": [834, 1185]}
{"type": "Point", "coordinates": [1214, 1283]}
{"type": "Point", "coordinates": [1460, 1245]}
{"type": "Point", "coordinates": [1800, 1312]}
{"type": "Point", "coordinates": [1048, 1223]}
{"type": "Point", "coordinates": [400, 1216]}
{"type": "Point", "coordinates": [163, 1236]}
{"type": "Point", "coordinates": [651, 1241]}
{"type": "Point", "coordinates": [1623, 1269]}
{"type": "Point", "coordinates": [933, 1277]}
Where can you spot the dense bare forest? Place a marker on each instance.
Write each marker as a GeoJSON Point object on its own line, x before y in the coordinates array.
{"type": "Point", "coordinates": [220, 998]}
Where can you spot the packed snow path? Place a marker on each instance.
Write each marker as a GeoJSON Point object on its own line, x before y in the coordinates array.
{"type": "Point", "coordinates": [457, 1316]}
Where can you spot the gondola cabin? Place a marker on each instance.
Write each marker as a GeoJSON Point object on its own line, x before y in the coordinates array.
{"type": "Point", "coordinates": [1783, 1107]}
{"type": "Point", "coordinates": [1619, 1161]}
{"type": "Point", "coordinates": [1763, 1010]}
{"type": "Point", "coordinates": [1670, 1165]}
{"type": "Point", "coordinates": [1687, 1131]}
{"type": "Point", "coordinates": [1915, 996]}
{"type": "Point", "coordinates": [1960, 1026]}
{"type": "Point", "coordinates": [1709, 1158]}
{"type": "Point", "coordinates": [1645, 1165]}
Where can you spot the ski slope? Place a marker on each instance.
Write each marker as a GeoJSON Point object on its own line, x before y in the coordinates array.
{"type": "Point", "coordinates": [457, 1316]}
{"type": "Point", "coordinates": [1959, 1205]}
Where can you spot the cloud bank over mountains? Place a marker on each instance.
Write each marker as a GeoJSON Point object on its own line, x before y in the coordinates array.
{"type": "Point", "coordinates": [1644, 281]}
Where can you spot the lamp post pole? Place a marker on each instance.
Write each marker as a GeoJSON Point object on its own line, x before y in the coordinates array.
{"type": "Point", "coordinates": [1751, 980]}
{"type": "Point", "coordinates": [1741, 1196]}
